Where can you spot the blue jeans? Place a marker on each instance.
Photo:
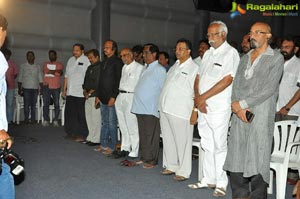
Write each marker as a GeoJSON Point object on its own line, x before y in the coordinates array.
{"type": "Point", "coordinates": [7, 187]}
{"type": "Point", "coordinates": [47, 93]}
{"type": "Point", "coordinates": [109, 126]}
{"type": "Point", "coordinates": [10, 102]}
{"type": "Point", "coordinates": [30, 99]}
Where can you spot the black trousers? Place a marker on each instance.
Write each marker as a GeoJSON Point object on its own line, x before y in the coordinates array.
{"type": "Point", "coordinates": [253, 187]}
{"type": "Point", "coordinates": [75, 122]}
{"type": "Point", "coordinates": [149, 132]}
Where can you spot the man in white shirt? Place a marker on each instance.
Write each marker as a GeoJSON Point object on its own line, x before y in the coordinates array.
{"type": "Point", "coordinates": [131, 73]}
{"type": "Point", "coordinates": [75, 121]}
{"type": "Point", "coordinates": [203, 46]}
{"type": "Point", "coordinates": [288, 105]}
{"type": "Point", "coordinates": [213, 99]}
{"type": "Point", "coordinates": [176, 105]}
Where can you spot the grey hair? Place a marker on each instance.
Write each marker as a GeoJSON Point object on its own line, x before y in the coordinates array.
{"type": "Point", "coordinates": [223, 26]}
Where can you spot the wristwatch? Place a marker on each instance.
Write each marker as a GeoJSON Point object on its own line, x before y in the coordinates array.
{"type": "Point", "coordinates": [195, 109]}
{"type": "Point", "coordinates": [287, 109]}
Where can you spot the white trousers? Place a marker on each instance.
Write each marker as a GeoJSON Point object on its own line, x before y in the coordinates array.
{"type": "Point", "coordinates": [177, 137]}
{"type": "Point", "coordinates": [213, 130]}
{"type": "Point", "coordinates": [128, 124]}
{"type": "Point", "coordinates": [93, 120]}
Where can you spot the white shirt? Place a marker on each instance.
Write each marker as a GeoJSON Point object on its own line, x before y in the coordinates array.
{"type": "Point", "coordinates": [288, 85]}
{"type": "Point", "coordinates": [217, 64]}
{"type": "Point", "coordinates": [198, 60]}
{"type": "Point", "coordinates": [177, 95]}
{"type": "Point", "coordinates": [3, 68]}
{"type": "Point", "coordinates": [75, 72]}
{"type": "Point", "coordinates": [130, 76]}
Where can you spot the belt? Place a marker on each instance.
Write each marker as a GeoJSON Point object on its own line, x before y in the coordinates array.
{"type": "Point", "coordinates": [121, 91]}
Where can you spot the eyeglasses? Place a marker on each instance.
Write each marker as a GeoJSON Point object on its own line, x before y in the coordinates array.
{"type": "Point", "coordinates": [257, 32]}
{"type": "Point", "coordinates": [212, 34]}
{"type": "Point", "coordinates": [124, 55]}
{"type": "Point", "coordinates": [179, 49]}
{"type": "Point", "coordinates": [146, 52]}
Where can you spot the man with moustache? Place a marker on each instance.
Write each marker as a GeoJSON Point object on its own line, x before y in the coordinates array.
{"type": "Point", "coordinates": [255, 89]}
{"type": "Point", "coordinates": [75, 122]}
{"type": "Point", "coordinates": [131, 73]}
{"type": "Point", "coordinates": [203, 46]}
{"type": "Point", "coordinates": [176, 105]}
{"type": "Point", "coordinates": [288, 105]}
{"type": "Point", "coordinates": [213, 99]}
{"type": "Point", "coordinates": [7, 188]}
{"type": "Point", "coordinates": [108, 89]}
{"type": "Point", "coordinates": [245, 45]}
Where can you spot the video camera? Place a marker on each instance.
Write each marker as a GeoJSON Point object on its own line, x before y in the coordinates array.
{"type": "Point", "coordinates": [13, 160]}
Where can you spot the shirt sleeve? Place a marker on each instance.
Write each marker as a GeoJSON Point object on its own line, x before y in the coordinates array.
{"type": "Point", "coordinates": [20, 77]}
{"type": "Point", "coordinates": [231, 63]}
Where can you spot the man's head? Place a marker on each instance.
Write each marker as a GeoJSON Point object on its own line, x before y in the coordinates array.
{"type": "Point", "coordinates": [150, 53]}
{"type": "Point", "coordinates": [246, 44]}
{"type": "Point", "coordinates": [78, 50]}
{"type": "Point", "coordinates": [203, 46]}
{"type": "Point", "coordinates": [7, 53]}
{"type": "Point", "coordinates": [30, 57]}
{"type": "Point", "coordinates": [138, 53]}
{"type": "Point", "coordinates": [183, 49]}
{"type": "Point", "coordinates": [163, 58]}
{"type": "Point", "coordinates": [93, 56]}
{"type": "Point", "coordinates": [3, 29]}
{"type": "Point", "coordinates": [52, 55]}
{"type": "Point", "coordinates": [288, 48]}
{"type": "Point", "coordinates": [127, 56]}
{"type": "Point", "coordinates": [110, 48]}
{"type": "Point", "coordinates": [216, 33]}
{"type": "Point", "coordinates": [260, 34]}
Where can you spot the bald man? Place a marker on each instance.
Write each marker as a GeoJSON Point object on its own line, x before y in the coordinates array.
{"type": "Point", "coordinates": [255, 89]}
{"type": "Point", "coordinates": [127, 121]}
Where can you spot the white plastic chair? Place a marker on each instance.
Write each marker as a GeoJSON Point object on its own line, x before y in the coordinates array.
{"type": "Point", "coordinates": [286, 154]}
{"type": "Point", "coordinates": [197, 143]}
{"type": "Point", "coordinates": [62, 103]}
{"type": "Point", "coordinates": [20, 105]}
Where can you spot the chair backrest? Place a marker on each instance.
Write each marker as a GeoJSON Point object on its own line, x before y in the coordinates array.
{"type": "Point", "coordinates": [286, 132]}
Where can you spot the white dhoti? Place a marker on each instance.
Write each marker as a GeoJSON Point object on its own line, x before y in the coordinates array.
{"type": "Point", "coordinates": [127, 124]}
{"type": "Point", "coordinates": [213, 130]}
{"type": "Point", "coordinates": [177, 137]}
{"type": "Point", "coordinates": [93, 120]}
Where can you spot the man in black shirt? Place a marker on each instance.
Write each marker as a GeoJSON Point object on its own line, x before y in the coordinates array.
{"type": "Point", "coordinates": [110, 75]}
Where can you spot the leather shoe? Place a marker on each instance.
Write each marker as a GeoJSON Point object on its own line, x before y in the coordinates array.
{"type": "Point", "coordinates": [92, 144]}
{"type": "Point", "coordinates": [120, 154]}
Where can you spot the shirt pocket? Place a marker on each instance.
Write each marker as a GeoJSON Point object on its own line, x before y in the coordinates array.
{"type": "Point", "coordinates": [215, 71]}
{"type": "Point", "coordinates": [289, 79]}
{"type": "Point", "coordinates": [181, 79]}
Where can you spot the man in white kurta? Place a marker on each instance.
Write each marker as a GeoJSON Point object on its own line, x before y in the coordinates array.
{"type": "Point", "coordinates": [288, 104]}
{"type": "Point", "coordinates": [127, 121]}
{"type": "Point", "coordinates": [216, 74]}
{"type": "Point", "coordinates": [176, 105]}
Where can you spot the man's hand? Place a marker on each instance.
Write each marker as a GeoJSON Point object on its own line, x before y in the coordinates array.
{"type": "Point", "coordinates": [194, 117]}
{"type": "Point", "coordinates": [97, 101]}
{"type": "Point", "coordinates": [111, 101]}
{"type": "Point", "coordinates": [235, 106]}
{"type": "Point", "coordinates": [63, 94]}
{"type": "Point", "coordinates": [4, 137]}
{"type": "Point", "coordinates": [283, 111]}
{"type": "Point", "coordinates": [242, 115]}
{"type": "Point", "coordinates": [200, 102]}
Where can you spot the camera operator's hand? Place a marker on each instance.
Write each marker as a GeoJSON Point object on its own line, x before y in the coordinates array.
{"type": "Point", "coordinates": [4, 137]}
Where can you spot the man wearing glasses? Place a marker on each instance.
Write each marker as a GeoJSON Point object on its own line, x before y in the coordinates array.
{"type": "Point", "coordinates": [255, 90]}
{"type": "Point", "coordinates": [212, 98]}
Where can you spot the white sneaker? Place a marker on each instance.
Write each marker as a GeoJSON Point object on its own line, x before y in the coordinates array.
{"type": "Point", "coordinates": [55, 123]}
{"type": "Point", "coordinates": [45, 123]}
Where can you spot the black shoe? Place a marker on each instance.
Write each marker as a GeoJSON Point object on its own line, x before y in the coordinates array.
{"type": "Point", "coordinates": [92, 143]}
{"type": "Point", "coordinates": [120, 154]}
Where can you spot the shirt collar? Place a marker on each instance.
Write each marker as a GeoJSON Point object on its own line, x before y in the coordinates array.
{"type": "Point", "coordinates": [220, 48]}
{"type": "Point", "coordinates": [268, 51]}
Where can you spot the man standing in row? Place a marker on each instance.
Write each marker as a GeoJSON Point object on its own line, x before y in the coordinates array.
{"type": "Point", "coordinates": [131, 73]}
{"type": "Point", "coordinates": [51, 87]}
{"type": "Point", "coordinates": [30, 83]}
{"type": "Point", "coordinates": [176, 104]}
{"type": "Point", "coordinates": [75, 122]}
{"type": "Point", "coordinates": [145, 106]}
{"type": "Point", "coordinates": [213, 100]}
{"type": "Point", "coordinates": [255, 89]}
{"type": "Point", "coordinates": [90, 85]}
{"type": "Point", "coordinates": [108, 89]}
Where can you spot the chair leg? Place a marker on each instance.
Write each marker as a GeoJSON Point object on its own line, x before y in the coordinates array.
{"type": "Point", "coordinates": [18, 116]}
{"type": "Point", "coordinates": [270, 188]}
{"type": "Point", "coordinates": [281, 176]}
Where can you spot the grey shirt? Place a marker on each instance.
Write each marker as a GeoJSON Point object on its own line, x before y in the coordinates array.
{"type": "Point", "coordinates": [30, 76]}
{"type": "Point", "coordinates": [249, 144]}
